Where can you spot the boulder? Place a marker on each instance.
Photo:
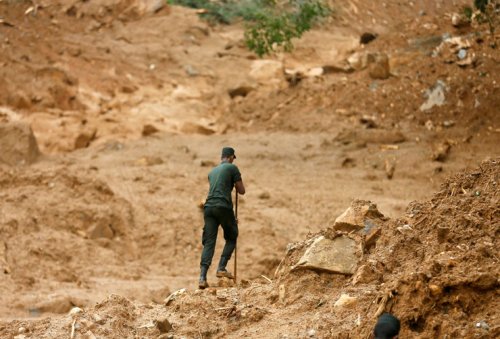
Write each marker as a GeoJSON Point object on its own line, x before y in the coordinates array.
{"type": "Point", "coordinates": [337, 255]}
{"type": "Point", "coordinates": [18, 145]}
{"type": "Point", "coordinates": [360, 216]}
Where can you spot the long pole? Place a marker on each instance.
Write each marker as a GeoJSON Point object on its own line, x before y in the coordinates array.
{"type": "Point", "coordinates": [236, 246]}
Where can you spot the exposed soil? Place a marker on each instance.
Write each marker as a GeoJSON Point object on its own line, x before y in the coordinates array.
{"type": "Point", "coordinates": [129, 104]}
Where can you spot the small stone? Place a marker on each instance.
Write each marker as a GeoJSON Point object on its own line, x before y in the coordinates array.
{"type": "Point", "coordinates": [448, 123]}
{"type": "Point", "coordinates": [84, 139]}
{"type": "Point", "coordinates": [435, 290]}
{"type": "Point", "coordinates": [441, 151]}
{"type": "Point", "coordinates": [311, 333]}
{"type": "Point", "coordinates": [264, 195]}
{"type": "Point", "coordinates": [163, 325]}
{"type": "Point", "coordinates": [367, 38]}
{"type": "Point", "coordinates": [462, 54]}
{"type": "Point", "coordinates": [240, 91]}
{"type": "Point", "coordinates": [380, 68]}
{"type": "Point", "coordinates": [98, 319]}
{"type": "Point", "coordinates": [148, 130]}
{"type": "Point", "coordinates": [75, 310]}
{"type": "Point", "coordinates": [482, 324]}
{"type": "Point", "coordinates": [344, 300]}
{"type": "Point", "coordinates": [101, 230]}
{"type": "Point", "coordinates": [282, 292]}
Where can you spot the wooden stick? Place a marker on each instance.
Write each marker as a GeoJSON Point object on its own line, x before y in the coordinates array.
{"type": "Point", "coordinates": [263, 276]}
{"type": "Point", "coordinates": [236, 246]}
{"type": "Point", "coordinates": [73, 329]}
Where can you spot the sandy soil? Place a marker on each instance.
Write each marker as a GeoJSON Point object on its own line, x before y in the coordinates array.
{"type": "Point", "coordinates": [129, 107]}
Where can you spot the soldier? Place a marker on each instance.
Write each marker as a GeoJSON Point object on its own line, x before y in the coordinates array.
{"type": "Point", "coordinates": [218, 210]}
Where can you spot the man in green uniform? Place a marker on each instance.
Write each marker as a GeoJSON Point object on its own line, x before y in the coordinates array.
{"type": "Point", "coordinates": [218, 210]}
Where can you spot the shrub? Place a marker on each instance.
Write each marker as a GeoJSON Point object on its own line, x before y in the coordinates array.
{"type": "Point", "coordinates": [484, 11]}
{"type": "Point", "coordinates": [269, 25]}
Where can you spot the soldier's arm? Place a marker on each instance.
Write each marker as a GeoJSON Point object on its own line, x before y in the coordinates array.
{"type": "Point", "coordinates": [240, 188]}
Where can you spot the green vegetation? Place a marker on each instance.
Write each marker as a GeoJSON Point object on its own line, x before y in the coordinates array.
{"type": "Point", "coordinates": [269, 24]}
{"type": "Point", "coordinates": [484, 11]}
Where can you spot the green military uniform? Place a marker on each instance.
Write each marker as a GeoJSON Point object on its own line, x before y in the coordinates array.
{"type": "Point", "coordinates": [218, 210]}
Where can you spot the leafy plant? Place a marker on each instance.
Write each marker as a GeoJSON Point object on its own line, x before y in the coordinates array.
{"type": "Point", "coordinates": [481, 5]}
{"type": "Point", "coordinates": [270, 24]}
{"type": "Point", "coordinates": [271, 29]}
{"type": "Point", "coordinates": [484, 11]}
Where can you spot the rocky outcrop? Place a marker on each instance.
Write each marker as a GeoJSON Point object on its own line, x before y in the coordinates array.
{"type": "Point", "coordinates": [18, 145]}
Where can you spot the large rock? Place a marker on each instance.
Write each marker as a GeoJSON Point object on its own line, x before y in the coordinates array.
{"type": "Point", "coordinates": [337, 255]}
{"type": "Point", "coordinates": [18, 145]}
{"type": "Point", "coordinates": [360, 216]}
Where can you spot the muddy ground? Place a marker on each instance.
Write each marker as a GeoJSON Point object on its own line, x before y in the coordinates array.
{"type": "Point", "coordinates": [130, 103]}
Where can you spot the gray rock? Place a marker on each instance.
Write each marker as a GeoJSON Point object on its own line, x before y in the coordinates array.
{"type": "Point", "coordinates": [435, 96]}
{"type": "Point", "coordinates": [462, 54]}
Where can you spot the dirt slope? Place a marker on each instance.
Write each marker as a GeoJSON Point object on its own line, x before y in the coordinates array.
{"type": "Point", "coordinates": [131, 102]}
{"type": "Point", "coordinates": [439, 284]}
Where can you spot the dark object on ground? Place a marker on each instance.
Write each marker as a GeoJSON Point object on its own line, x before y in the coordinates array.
{"type": "Point", "coordinates": [367, 38]}
{"type": "Point", "coordinates": [387, 327]}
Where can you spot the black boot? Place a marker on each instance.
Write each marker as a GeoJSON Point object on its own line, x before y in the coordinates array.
{"type": "Point", "coordinates": [222, 264]}
{"type": "Point", "coordinates": [202, 284]}
{"type": "Point", "coordinates": [221, 270]}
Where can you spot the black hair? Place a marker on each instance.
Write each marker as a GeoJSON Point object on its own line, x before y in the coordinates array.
{"type": "Point", "coordinates": [387, 327]}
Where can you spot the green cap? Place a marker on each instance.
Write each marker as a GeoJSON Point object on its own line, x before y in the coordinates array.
{"type": "Point", "coordinates": [228, 151]}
